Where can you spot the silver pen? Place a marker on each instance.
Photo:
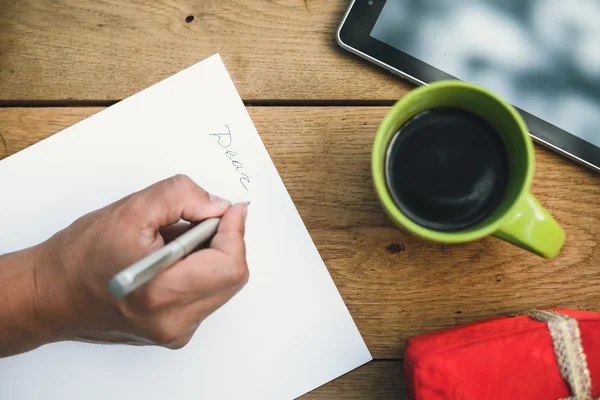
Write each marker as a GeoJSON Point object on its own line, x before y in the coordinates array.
{"type": "Point", "coordinates": [148, 267]}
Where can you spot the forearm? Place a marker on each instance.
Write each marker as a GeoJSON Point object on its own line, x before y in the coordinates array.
{"type": "Point", "coordinates": [20, 326]}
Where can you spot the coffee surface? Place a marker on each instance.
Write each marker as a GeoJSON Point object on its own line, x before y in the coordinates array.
{"type": "Point", "coordinates": [447, 169]}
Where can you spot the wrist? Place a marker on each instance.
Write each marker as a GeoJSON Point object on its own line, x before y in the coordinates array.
{"type": "Point", "coordinates": [21, 328]}
{"type": "Point", "coordinates": [51, 295]}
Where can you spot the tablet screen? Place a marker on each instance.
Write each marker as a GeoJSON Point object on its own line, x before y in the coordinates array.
{"type": "Point", "coordinates": [542, 56]}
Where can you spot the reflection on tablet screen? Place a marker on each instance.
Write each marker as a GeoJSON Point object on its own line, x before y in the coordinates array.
{"type": "Point", "coordinates": [540, 55]}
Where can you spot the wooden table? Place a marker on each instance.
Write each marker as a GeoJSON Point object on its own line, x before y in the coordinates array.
{"type": "Point", "coordinates": [317, 109]}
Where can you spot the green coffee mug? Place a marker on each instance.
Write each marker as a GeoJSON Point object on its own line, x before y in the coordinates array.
{"type": "Point", "coordinates": [518, 219]}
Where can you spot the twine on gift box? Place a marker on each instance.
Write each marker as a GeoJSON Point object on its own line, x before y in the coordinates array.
{"type": "Point", "coordinates": [568, 349]}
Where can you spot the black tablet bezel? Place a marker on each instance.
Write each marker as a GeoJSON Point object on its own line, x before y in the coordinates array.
{"type": "Point", "coordinates": [354, 35]}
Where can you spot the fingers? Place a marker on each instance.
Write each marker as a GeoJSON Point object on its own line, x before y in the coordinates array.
{"type": "Point", "coordinates": [176, 198]}
{"type": "Point", "coordinates": [171, 305]}
{"type": "Point", "coordinates": [181, 342]}
{"type": "Point", "coordinates": [174, 329]}
{"type": "Point", "coordinates": [230, 236]}
{"type": "Point", "coordinates": [194, 314]}
{"type": "Point", "coordinates": [202, 274]}
{"type": "Point", "coordinates": [221, 267]}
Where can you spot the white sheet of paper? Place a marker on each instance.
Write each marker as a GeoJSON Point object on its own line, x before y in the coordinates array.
{"type": "Point", "coordinates": [286, 333]}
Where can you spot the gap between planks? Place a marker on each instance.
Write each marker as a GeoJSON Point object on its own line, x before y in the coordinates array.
{"type": "Point", "coordinates": [248, 103]}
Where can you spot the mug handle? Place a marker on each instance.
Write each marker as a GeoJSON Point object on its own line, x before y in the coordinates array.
{"type": "Point", "coordinates": [532, 228]}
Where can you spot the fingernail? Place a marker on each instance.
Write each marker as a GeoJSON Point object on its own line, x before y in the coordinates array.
{"type": "Point", "coordinates": [245, 212]}
{"type": "Point", "coordinates": [219, 201]}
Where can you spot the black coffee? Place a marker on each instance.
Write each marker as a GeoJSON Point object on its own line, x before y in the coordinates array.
{"type": "Point", "coordinates": [447, 169]}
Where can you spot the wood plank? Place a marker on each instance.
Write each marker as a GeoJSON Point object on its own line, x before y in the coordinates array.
{"type": "Point", "coordinates": [397, 286]}
{"type": "Point", "coordinates": [379, 380]}
{"type": "Point", "coordinates": [109, 49]}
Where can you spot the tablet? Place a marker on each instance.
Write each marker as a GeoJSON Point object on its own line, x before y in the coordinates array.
{"type": "Point", "coordinates": [542, 56]}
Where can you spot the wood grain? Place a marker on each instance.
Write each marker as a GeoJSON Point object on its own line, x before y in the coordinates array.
{"type": "Point", "coordinates": [378, 380]}
{"type": "Point", "coordinates": [108, 49]}
{"type": "Point", "coordinates": [396, 286]}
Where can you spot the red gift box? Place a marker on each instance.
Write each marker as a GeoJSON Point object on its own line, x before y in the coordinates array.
{"type": "Point", "coordinates": [541, 354]}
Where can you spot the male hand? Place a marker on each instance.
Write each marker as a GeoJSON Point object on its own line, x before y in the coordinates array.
{"type": "Point", "coordinates": [72, 298]}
